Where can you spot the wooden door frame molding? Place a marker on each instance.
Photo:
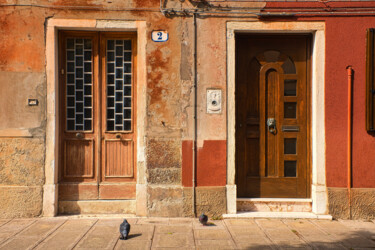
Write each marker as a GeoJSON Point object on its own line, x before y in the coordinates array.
{"type": "Point", "coordinates": [317, 112]}
{"type": "Point", "coordinates": [50, 188]}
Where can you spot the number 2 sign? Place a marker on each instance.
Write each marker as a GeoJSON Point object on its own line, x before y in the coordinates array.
{"type": "Point", "coordinates": [159, 36]}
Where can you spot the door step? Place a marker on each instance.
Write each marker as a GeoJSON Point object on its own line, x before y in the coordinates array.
{"type": "Point", "coordinates": [280, 215]}
{"type": "Point", "coordinates": [273, 205]}
{"type": "Point", "coordinates": [97, 207]}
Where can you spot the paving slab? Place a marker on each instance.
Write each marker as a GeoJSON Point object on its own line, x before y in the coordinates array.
{"type": "Point", "coordinates": [174, 240]}
{"type": "Point", "coordinates": [184, 233]}
{"type": "Point", "coordinates": [14, 227]}
{"type": "Point", "coordinates": [215, 244]}
{"type": "Point", "coordinates": [246, 231]}
{"type": "Point", "coordinates": [31, 236]}
{"type": "Point", "coordinates": [207, 234]}
{"type": "Point", "coordinates": [364, 228]}
{"type": "Point", "coordinates": [270, 223]}
{"type": "Point", "coordinates": [249, 235]}
{"type": "Point", "coordinates": [169, 229]}
{"type": "Point", "coordinates": [136, 245]}
{"type": "Point", "coordinates": [313, 235]}
{"type": "Point", "coordinates": [211, 224]}
{"type": "Point", "coordinates": [180, 221]}
{"type": "Point", "coordinates": [349, 237]}
{"type": "Point", "coordinates": [141, 232]}
{"type": "Point", "coordinates": [103, 235]}
{"type": "Point", "coordinates": [358, 241]}
{"type": "Point", "coordinates": [333, 246]}
{"type": "Point", "coordinates": [331, 226]}
{"type": "Point", "coordinates": [153, 221]}
{"type": "Point", "coordinates": [25, 243]}
{"type": "Point", "coordinates": [358, 224]}
{"type": "Point", "coordinates": [239, 222]}
{"type": "Point", "coordinates": [254, 245]}
{"type": "Point", "coordinates": [73, 230]}
{"type": "Point", "coordinates": [4, 221]}
{"type": "Point", "coordinates": [282, 235]}
{"type": "Point", "coordinates": [169, 248]}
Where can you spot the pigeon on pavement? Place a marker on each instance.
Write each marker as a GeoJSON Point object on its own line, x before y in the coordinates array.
{"type": "Point", "coordinates": [124, 230]}
{"type": "Point", "coordinates": [203, 219]}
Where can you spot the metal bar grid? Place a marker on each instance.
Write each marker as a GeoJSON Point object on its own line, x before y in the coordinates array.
{"type": "Point", "coordinates": [79, 78]}
{"type": "Point", "coordinates": [119, 85]}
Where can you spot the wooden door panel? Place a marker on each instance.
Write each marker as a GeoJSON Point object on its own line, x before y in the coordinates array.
{"type": "Point", "coordinates": [109, 191]}
{"type": "Point", "coordinates": [78, 191]}
{"type": "Point", "coordinates": [98, 123]}
{"type": "Point", "coordinates": [271, 109]}
{"type": "Point", "coordinates": [252, 154]}
{"type": "Point", "coordinates": [118, 109]}
{"type": "Point", "coordinates": [79, 158]}
{"type": "Point", "coordinates": [78, 88]}
{"type": "Point", "coordinates": [268, 187]}
{"type": "Point", "coordinates": [118, 159]}
{"type": "Point", "coordinates": [271, 82]}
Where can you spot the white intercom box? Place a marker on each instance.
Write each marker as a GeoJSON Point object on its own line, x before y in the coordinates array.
{"type": "Point", "coordinates": [214, 103]}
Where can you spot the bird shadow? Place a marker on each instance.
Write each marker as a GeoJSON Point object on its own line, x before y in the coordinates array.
{"type": "Point", "coordinates": [210, 224]}
{"type": "Point", "coordinates": [134, 236]}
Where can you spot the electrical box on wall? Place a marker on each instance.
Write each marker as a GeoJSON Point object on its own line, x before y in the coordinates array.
{"type": "Point", "coordinates": [214, 105]}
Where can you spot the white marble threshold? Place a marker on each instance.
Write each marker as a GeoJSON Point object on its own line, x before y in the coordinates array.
{"type": "Point", "coordinates": [282, 215]}
{"type": "Point", "coordinates": [275, 199]}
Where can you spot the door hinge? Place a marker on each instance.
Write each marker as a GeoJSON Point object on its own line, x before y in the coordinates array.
{"type": "Point", "coordinates": [62, 71]}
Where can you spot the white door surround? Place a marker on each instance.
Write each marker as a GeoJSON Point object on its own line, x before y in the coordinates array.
{"type": "Point", "coordinates": [50, 188]}
{"type": "Point", "coordinates": [317, 29]}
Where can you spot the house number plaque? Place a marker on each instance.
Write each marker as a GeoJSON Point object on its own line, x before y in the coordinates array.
{"type": "Point", "coordinates": [159, 36]}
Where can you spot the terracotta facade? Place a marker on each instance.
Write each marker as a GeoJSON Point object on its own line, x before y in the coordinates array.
{"type": "Point", "coordinates": [176, 136]}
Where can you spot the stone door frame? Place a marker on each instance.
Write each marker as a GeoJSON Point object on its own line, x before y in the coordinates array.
{"type": "Point", "coordinates": [317, 29]}
{"type": "Point", "coordinates": [50, 188]}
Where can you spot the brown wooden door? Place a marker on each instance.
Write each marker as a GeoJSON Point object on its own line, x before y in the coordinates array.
{"type": "Point", "coordinates": [272, 116]}
{"type": "Point", "coordinates": [97, 115]}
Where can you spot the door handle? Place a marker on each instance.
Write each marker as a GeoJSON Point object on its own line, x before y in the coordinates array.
{"type": "Point", "coordinates": [271, 124]}
{"type": "Point", "coordinates": [118, 136]}
{"type": "Point", "coordinates": [79, 135]}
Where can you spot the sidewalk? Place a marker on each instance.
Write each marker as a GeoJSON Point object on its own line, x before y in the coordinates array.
{"type": "Point", "coordinates": [185, 233]}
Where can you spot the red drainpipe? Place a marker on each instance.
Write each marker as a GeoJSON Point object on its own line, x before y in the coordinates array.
{"type": "Point", "coordinates": [349, 164]}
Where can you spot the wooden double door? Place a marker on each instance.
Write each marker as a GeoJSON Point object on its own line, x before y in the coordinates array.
{"type": "Point", "coordinates": [272, 116]}
{"type": "Point", "coordinates": [97, 122]}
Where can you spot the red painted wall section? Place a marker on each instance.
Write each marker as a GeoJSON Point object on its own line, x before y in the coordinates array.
{"type": "Point", "coordinates": [315, 5]}
{"type": "Point", "coordinates": [346, 45]}
{"type": "Point", "coordinates": [211, 169]}
{"type": "Point", "coordinates": [212, 163]}
{"type": "Point", "coordinates": [187, 163]}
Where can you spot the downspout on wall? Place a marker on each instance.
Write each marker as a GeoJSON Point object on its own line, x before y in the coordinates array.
{"type": "Point", "coordinates": [349, 154]}
{"type": "Point", "coordinates": [195, 114]}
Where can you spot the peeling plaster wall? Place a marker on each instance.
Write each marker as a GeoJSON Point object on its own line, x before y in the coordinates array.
{"type": "Point", "coordinates": [22, 127]}
{"type": "Point", "coordinates": [21, 176]}
{"type": "Point", "coordinates": [170, 120]}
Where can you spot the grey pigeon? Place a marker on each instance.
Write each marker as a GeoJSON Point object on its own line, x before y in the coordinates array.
{"type": "Point", "coordinates": [203, 219]}
{"type": "Point", "coordinates": [124, 230]}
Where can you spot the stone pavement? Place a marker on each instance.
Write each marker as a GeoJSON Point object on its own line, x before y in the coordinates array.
{"type": "Point", "coordinates": [79, 232]}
